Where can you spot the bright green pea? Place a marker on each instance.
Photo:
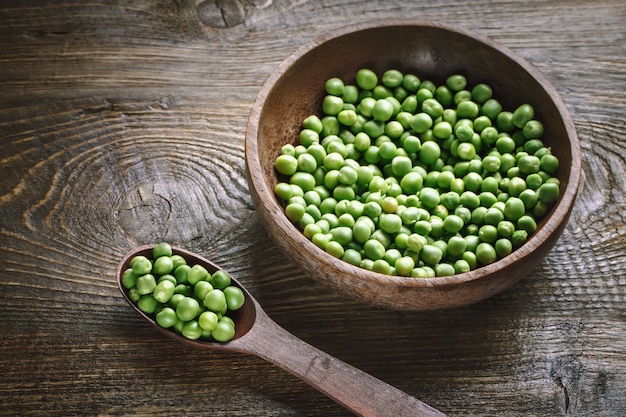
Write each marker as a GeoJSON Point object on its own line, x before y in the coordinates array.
{"type": "Point", "coordinates": [444, 95]}
{"type": "Point", "coordinates": [503, 247]}
{"type": "Point", "coordinates": [432, 107]}
{"type": "Point", "coordinates": [161, 249]}
{"type": "Point", "coordinates": [528, 164]}
{"type": "Point", "coordinates": [141, 265]}
{"type": "Point", "coordinates": [366, 79]}
{"type": "Point", "coordinates": [374, 249]}
{"type": "Point", "coordinates": [481, 93]}
{"type": "Point", "coordinates": [166, 317]}
{"type": "Point", "coordinates": [453, 223]}
{"type": "Point", "coordinates": [548, 192]}
{"type": "Point", "coordinates": [444, 269]}
{"type": "Point", "coordinates": [382, 110]}
{"type": "Point", "coordinates": [429, 152]}
{"type": "Point", "coordinates": [163, 291]}
{"type": "Point", "coordinates": [235, 297]}
{"type": "Point", "coordinates": [332, 105]}
{"type": "Point", "coordinates": [129, 278]}
{"type": "Point", "coordinates": [522, 115]}
{"type": "Point", "coordinates": [486, 253]}
{"type": "Point", "coordinates": [514, 209]}
{"type": "Point", "coordinates": [549, 164]}
{"type": "Point", "coordinates": [215, 301]}
{"type": "Point", "coordinates": [431, 254]}
{"type": "Point", "coordinates": [488, 233]}
{"type": "Point", "coordinates": [334, 86]}
{"type": "Point", "coordinates": [286, 164]}
{"type": "Point", "coordinates": [519, 237]}
{"type": "Point", "coordinates": [146, 284]}
{"type": "Point", "coordinates": [533, 129]}
{"type": "Point", "coordinates": [148, 304]}
{"type": "Point", "coordinates": [456, 82]}
{"type": "Point", "coordinates": [442, 130]}
{"type": "Point", "coordinates": [504, 121]}
{"type": "Point", "coordinates": [223, 332]}
{"type": "Point", "coordinates": [187, 308]}
{"type": "Point", "coordinates": [467, 110]}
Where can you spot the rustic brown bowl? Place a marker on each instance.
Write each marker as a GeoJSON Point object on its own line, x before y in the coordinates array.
{"type": "Point", "coordinates": [432, 51]}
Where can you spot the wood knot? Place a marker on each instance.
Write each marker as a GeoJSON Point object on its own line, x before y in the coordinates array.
{"type": "Point", "coordinates": [222, 13]}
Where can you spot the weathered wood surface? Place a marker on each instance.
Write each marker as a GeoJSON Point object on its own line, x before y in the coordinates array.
{"type": "Point", "coordinates": [122, 123]}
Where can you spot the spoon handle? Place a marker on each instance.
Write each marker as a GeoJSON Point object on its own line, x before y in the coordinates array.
{"type": "Point", "coordinates": [356, 390]}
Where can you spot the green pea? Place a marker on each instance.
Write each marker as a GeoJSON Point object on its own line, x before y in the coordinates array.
{"type": "Point", "coordinates": [187, 308]}
{"type": "Point", "coordinates": [432, 107]}
{"type": "Point", "coordinates": [456, 82]}
{"type": "Point", "coordinates": [223, 332]}
{"type": "Point", "coordinates": [366, 79]}
{"type": "Point", "coordinates": [334, 86]}
{"type": "Point", "coordinates": [486, 253]}
{"type": "Point", "coordinates": [481, 93]}
{"type": "Point", "coordinates": [431, 254]}
{"type": "Point", "coordinates": [548, 192]}
{"type": "Point", "coordinates": [549, 164]}
{"type": "Point", "coordinates": [429, 152]}
{"type": "Point", "coordinates": [146, 284]}
{"type": "Point", "coordinates": [163, 291]}
{"type": "Point", "coordinates": [166, 317]}
{"type": "Point", "coordinates": [161, 249]}
{"type": "Point", "coordinates": [141, 265]}
{"type": "Point", "coordinates": [148, 304]}
{"type": "Point", "coordinates": [522, 115]}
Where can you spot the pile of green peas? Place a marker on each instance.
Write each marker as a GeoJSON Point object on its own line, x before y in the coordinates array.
{"type": "Point", "coordinates": [185, 298]}
{"type": "Point", "coordinates": [405, 177]}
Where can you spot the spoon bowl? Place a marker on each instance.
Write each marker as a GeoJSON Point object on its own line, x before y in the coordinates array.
{"type": "Point", "coordinates": [257, 334]}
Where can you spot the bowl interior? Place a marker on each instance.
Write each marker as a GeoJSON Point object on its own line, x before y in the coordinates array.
{"type": "Point", "coordinates": [296, 89]}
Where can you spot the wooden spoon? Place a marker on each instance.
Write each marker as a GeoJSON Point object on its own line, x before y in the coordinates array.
{"type": "Point", "coordinates": [257, 334]}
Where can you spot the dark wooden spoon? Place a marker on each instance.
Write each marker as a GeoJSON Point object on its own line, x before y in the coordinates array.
{"type": "Point", "coordinates": [257, 334]}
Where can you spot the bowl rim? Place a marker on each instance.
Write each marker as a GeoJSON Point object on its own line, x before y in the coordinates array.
{"type": "Point", "coordinates": [557, 218]}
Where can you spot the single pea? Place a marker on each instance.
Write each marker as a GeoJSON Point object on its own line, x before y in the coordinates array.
{"type": "Point", "coordinates": [187, 308]}
{"type": "Point", "coordinates": [141, 265]}
{"type": "Point", "coordinates": [442, 130]}
{"type": "Point", "coordinates": [533, 129]}
{"type": "Point", "coordinates": [431, 254]}
{"type": "Point", "coordinates": [491, 108]}
{"type": "Point", "coordinates": [444, 95]}
{"type": "Point", "coordinates": [467, 109]}
{"type": "Point", "coordinates": [392, 78]}
{"type": "Point", "coordinates": [146, 284]}
{"type": "Point", "coordinates": [166, 317]}
{"type": "Point", "coordinates": [235, 297]}
{"type": "Point", "coordinates": [456, 82]}
{"type": "Point", "coordinates": [129, 278]}
{"type": "Point", "coordinates": [453, 223]}
{"type": "Point", "coordinates": [519, 237]}
{"type": "Point", "coordinates": [330, 126]}
{"type": "Point", "coordinates": [421, 122]}
{"type": "Point", "coordinates": [350, 94]}
{"type": "Point", "coordinates": [461, 266]}
{"type": "Point", "coordinates": [528, 164]}
{"type": "Point", "coordinates": [503, 247]}
{"type": "Point", "coordinates": [486, 253]}
{"type": "Point", "coordinates": [527, 223]}
{"type": "Point", "coordinates": [481, 93]}
{"type": "Point", "coordinates": [514, 209]}
{"type": "Point", "coordinates": [161, 249]}
{"type": "Point", "coordinates": [411, 82]}
{"type": "Point", "coordinates": [223, 332]}
{"type": "Point", "coordinates": [456, 246]}
{"type": "Point", "coordinates": [522, 115]}
{"type": "Point", "coordinates": [429, 152]}
{"type": "Point", "coordinates": [488, 233]}
{"type": "Point", "coordinates": [504, 121]}
{"type": "Point", "coordinates": [366, 79]}
{"type": "Point", "coordinates": [148, 304]}
{"type": "Point", "coordinates": [374, 249]}
{"type": "Point", "coordinates": [164, 291]}
{"type": "Point", "coordinates": [286, 164]}
{"type": "Point", "coordinates": [549, 164]}
{"type": "Point", "coordinates": [382, 110]}
{"type": "Point", "coordinates": [432, 107]}
{"type": "Point", "coordinates": [215, 301]}
{"type": "Point", "coordinates": [306, 138]}
{"type": "Point", "coordinates": [334, 86]}
{"type": "Point", "coordinates": [548, 192]}
{"type": "Point", "coordinates": [444, 269]}
{"type": "Point", "coordinates": [163, 265]}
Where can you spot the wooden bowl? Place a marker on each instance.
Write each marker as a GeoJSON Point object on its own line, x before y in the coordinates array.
{"type": "Point", "coordinates": [432, 51]}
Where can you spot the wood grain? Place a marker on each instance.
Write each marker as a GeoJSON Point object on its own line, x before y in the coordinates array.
{"type": "Point", "coordinates": [122, 123]}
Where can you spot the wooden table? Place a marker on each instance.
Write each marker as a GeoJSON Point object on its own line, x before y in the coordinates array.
{"type": "Point", "coordinates": [122, 123]}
